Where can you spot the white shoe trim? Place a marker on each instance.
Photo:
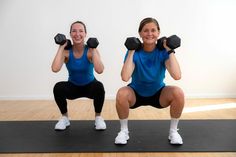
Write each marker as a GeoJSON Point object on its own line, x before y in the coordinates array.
{"type": "Point", "coordinates": [62, 124]}
{"type": "Point", "coordinates": [175, 138]}
{"type": "Point", "coordinates": [100, 123]}
{"type": "Point", "coordinates": [122, 137]}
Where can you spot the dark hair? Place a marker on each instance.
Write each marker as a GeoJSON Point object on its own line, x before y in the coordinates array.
{"type": "Point", "coordinates": [148, 20]}
{"type": "Point", "coordinates": [80, 22]}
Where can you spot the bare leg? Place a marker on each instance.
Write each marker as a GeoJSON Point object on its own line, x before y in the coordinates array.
{"type": "Point", "coordinates": [174, 97]}
{"type": "Point", "coordinates": [124, 99]}
{"type": "Point", "coordinates": [65, 114]}
{"type": "Point", "coordinates": [97, 114]}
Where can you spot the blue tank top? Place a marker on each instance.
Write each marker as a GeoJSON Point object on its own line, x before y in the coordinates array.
{"type": "Point", "coordinates": [80, 69]}
{"type": "Point", "coordinates": [149, 72]}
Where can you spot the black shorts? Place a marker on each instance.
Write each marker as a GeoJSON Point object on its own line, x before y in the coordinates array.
{"type": "Point", "coordinates": [145, 101]}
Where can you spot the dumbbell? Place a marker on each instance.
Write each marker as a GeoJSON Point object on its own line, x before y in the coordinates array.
{"type": "Point", "coordinates": [172, 42]}
{"type": "Point", "coordinates": [60, 39]}
{"type": "Point", "coordinates": [133, 43]}
{"type": "Point", "coordinates": [92, 42]}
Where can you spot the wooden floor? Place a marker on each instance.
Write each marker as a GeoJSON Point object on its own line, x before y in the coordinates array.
{"type": "Point", "coordinates": [83, 109]}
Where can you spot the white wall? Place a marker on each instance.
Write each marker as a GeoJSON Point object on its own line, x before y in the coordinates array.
{"type": "Point", "coordinates": [27, 27]}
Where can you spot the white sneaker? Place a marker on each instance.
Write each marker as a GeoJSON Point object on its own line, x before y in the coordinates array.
{"type": "Point", "coordinates": [122, 137]}
{"type": "Point", "coordinates": [100, 123]}
{"type": "Point", "coordinates": [175, 138]}
{"type": "Point", "coordinates": [62, 124]}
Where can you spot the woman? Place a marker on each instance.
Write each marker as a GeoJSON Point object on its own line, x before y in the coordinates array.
{"type": "Point", "coordinates": [81, 61]}
{"type": "Point", "coordinates": [147, 66]}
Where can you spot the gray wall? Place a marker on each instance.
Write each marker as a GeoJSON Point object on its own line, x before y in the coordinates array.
{"type": "Point", "coordinates": [27, 27]}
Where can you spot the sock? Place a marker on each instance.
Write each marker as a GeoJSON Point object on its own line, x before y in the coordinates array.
{"type": "Point", "coordinates": [124, 124]}
{"type": "Point", "coordinates": [174, 124]}
{"type": "Point", "coordinates": [97, 117]}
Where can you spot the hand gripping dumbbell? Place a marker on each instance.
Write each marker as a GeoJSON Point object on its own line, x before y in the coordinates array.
{"type": "Point", "coordinates": [92, 42]}
{"type": "Point", "coordinates": [172, 42]}
{"type": "Point", "coordinates": [60, 39]}
{"type": "Point", "coordinates": [133, 43]}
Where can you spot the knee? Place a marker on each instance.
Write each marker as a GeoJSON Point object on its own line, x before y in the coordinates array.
{"type": "Point", "coordinates": [121, 96]}
{"type": "Point", "coordinates": [100, 88]}
{"type": "Point", "coordinates": [57, 88]}
{"type": "Point", "coordinates": [178, 94]}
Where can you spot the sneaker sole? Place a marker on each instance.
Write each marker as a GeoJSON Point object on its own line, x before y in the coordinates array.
{"type": "Point", "coordinates": [62, 129]}
{"type": "Point", "coordinates": [120, 143]}
{"type": "Point", "coordinates": [100, 129]}
{"type": "Point", "coordinates": [175, 143]}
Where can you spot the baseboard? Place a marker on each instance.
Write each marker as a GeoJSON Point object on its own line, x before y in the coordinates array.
{"type": "Point", "coordinates": [210, 95]}
{"type": "Point", "coordinates": [112, 97]}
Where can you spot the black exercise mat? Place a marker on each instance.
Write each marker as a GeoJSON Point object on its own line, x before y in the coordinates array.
{"type": "Point", "coordinates": [145, 136]}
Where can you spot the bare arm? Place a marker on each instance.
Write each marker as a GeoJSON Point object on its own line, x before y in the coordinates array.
{"type": "Point", "coordinates": [172, 65]}
{"type": "Point", "coordinates": [95, 58]}
{"type": "Point", "coordinates": [128, 67]}
{"type": "Point", "coordinates": [59, 59]}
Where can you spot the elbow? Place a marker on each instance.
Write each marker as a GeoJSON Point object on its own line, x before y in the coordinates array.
{"type": "Point", "coordinates": [125, 78]}
{"type": "Point", "coordinates": [99, 71]}
{"type": "Point", "coordinates": [125, 75]}
{"type": "Point", "coordinates": [177, 76]}
{"type": "Point", "coordinates": [99, 68]}
{"type": "Point", "coordinates": [54, 69]}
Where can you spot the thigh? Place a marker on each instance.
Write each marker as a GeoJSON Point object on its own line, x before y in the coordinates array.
{"type": "Point", "coordinates": [93, 88]}
{"type": "Point", "coordinates": [68, 89]}
{"type": "Point", "coordinates": [170, 93]}
{"type": "Point", "coordinates": [125, 94]}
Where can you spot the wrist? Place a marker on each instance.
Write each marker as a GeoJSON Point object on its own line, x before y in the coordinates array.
{"type": "Point", "coordinates": [131, 51]}
{"type": "Point", "coordinates": [171, 51]}
{"type": "Point", "coordinates": [94, 53]}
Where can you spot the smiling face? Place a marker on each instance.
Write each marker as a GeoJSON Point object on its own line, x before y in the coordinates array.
{"type": "Point", "coordinates": [149, 31]}
{"type": "Point", "coordinates": [78, 32]}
